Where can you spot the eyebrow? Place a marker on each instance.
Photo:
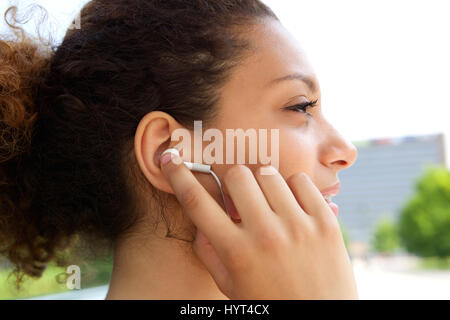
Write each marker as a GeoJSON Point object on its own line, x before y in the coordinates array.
{"type": "Point", "coordinates": [296, 76]}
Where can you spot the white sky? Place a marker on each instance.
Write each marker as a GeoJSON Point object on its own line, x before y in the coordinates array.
{"type": "Point", "coordinates": [383, 66]}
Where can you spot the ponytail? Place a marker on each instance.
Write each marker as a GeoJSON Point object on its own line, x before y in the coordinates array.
{"type": "Point", "coordinates": [23, 65]}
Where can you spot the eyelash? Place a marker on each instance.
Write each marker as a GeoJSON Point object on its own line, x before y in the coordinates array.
{"type": "Point", "coordinates": [302, 107]}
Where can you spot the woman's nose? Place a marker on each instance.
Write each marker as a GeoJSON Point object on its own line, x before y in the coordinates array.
{"type": "Point", "coordinates": [336, 151]}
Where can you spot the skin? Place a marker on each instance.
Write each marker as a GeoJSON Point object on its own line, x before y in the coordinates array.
{"type": "Point", "coordinates": [149, 266]}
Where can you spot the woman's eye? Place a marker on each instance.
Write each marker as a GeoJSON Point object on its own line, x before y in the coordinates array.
{"type": "Point", "coordinates": [302, 107]}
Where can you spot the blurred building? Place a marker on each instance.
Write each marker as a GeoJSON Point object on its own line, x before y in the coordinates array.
{"type": "Point", "coordinates": [382, 179]}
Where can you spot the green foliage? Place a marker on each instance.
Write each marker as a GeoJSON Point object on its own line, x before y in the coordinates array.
{"type": "Point", "coordinates": [344, 235]}
{"type": "Point", "coordinates": [385, 237]}
{"type": "Point", "coordinates": [46, 284]}
{"type": "Point", "coordinates": [434, 263]}
{"type": "Point", "coordinates": [424, 224]}
{"type": "Point", "coordinates": [96, 273]}
{"type": "Point", "coordinates": [54, 279]}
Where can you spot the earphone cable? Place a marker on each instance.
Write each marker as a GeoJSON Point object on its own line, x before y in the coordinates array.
{"type": "Point", "coordinates": [220, 187]}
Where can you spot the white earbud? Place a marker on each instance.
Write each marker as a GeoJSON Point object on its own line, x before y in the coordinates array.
{"type": "Point", "coordinates": [199, 167]}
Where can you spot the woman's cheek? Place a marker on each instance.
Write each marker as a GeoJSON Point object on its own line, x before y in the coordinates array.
{"type": "Point", "coordinates": [295, 157]}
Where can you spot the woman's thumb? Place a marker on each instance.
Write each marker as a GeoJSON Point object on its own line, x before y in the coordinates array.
{"type": "Point", "coordinates": [207, 255]}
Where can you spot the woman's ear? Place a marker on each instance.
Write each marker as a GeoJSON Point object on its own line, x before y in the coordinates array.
{"type": "Point", "coordinates": [153, 136]}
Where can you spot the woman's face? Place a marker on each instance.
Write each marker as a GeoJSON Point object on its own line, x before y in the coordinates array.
{"type": "Point", "coordinates": [252, 99]}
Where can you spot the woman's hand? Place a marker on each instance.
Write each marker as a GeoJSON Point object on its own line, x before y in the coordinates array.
{"type": "Point", "coordinates": [287, 246]}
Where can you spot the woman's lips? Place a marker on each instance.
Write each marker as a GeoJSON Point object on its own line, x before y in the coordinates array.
{"type": "Point", "coordinates": [334, 207]}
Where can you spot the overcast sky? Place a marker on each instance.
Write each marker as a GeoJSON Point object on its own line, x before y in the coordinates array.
{"type": "Point", "coordinates": [383, 66]}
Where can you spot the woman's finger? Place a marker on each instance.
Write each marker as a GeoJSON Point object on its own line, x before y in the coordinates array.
{"type": "Point", "coordinates": [207, 255]}
{"type": "Point", "coordinates": [308, 196]}
{"type": "Point", "coordinates": [278, 194]}
{"type": "Point", "coordinates": [249, 200]}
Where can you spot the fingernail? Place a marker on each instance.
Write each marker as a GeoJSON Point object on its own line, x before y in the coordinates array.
{"type": "Point", "coordinates": [268, 170]}
{"type": "Point", "coordinates": [166, 158]}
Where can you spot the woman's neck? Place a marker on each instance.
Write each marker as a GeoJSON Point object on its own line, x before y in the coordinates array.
{"type": "Point", "coordinates": [155, 267]}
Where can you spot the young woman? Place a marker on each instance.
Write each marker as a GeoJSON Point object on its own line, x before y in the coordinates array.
{"type": "Point", "coordinates": [83, 128]}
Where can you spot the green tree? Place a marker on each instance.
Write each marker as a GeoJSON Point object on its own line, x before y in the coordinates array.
{"type": "Point", "coordinates": [385, 237]}
{"type": "Point", "coordinates": [424, 223]}
{"type": "Point", "coordinates": [344, 235]}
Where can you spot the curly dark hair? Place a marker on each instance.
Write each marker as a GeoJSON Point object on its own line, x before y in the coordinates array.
{"type": "Point", "coordinates": [69, 113]}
